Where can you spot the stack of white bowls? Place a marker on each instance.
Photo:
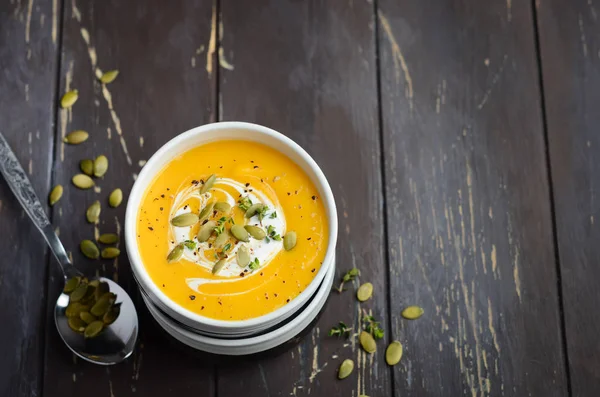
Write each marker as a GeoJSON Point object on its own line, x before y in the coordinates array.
{"type": "Point", "coordinates": [244, 336]}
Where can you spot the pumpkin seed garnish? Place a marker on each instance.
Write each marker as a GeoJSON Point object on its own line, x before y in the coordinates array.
{"type": "Point", "coordinates": [78, 293]}
{"type": "Point", "coordinates": [111, 315]}
{"type": "Point", "coordinates": [71, 284]}
{"type": "Point", "coordinates": [93, 212]}
{"type": "Point", "coordinates": [108, 238]}
{"type": "Point", "coordinates": [240, 233]}
{"type": "Point", "coordinates": [206, 211]}
{"type": "Point", "coordinates": [109, 77]}
{"type": "Point", "coordinates": [393, 353]}
{"type": "Point", "coordinates": [110, 253]}
{"type": "Point", "coordinates": [115, 198]}
{"type": "Point", "coordinates": [89, 249]}
{"type": "Point", "coordinates": [345, 369]}
{"type": "Point", "coordinates": [93, 329]}
{"type": "Point", "coordinates": [289, 240]}
{"type": "Point", "coordinates": [218, 266]}
{"type": "Point", "coordinates": [256, 231]}
{"type": "Point", "coordinates": [100, 166]}
{"type": "Point", "coordinates": [76, 324]}
{"type": "Point", "coordinates": [243, 256]}
{"type": "Point", "coordinates": [412, 312]}
{"type": "Point", "coordinates": [87, 317]}
{"type": "Point", "coordinates": [367, 342]}
{"type": "Point", "coordinates": [364, 292]}
{"type": "Point", "coordinates": [183, 220]}
{"type": "Point", "coordinates": [82, 181]}
{"type": "Point", "coordinates": [55, 194]}
{"type": "Point", "coordinates": [176, 254]}
{"type": "Point", "coordinates": [69, 99]}
{"type": "Point", "coordinates": [222, 206]}
{"type": "Point", "coordinates": [208, 184]}
{"type": "Point", "coordinates": [206, 231]}
{"type": "Point", "coordinates": [76, 137]}
{"type": "Point", "coordinates": [254, 209]}
{"type": "Point", "coordinates": [222, 239]}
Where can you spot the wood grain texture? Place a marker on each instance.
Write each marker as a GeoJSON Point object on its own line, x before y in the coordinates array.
{"type": "Point", "coordinates": [162, 90]}
{"type": "Point", "coordinates": [570, 45]}
{"type": "Point", "coordinates": [27, 87]}
{"type": "Point", "coordinates": [470, 231]}
{"type": "Point", "coordinates": [308, 70]}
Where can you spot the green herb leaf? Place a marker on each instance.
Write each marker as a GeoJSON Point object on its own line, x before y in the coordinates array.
{"type": "Point", "coordinates": [190, 244]}
{"type": "Point", "coordinates": [349, 276]}
{"type": "Point", "coordinates": [262, 212]}
{"type": "Point", "coordinates": [341, 330]}
{"type": "Point", "coordinates": [273, 215]}
{"type": "Point", "coordinates": [373, 327]}
{"type": "Point", "coordinates": [255, 264]}
{"type": "Point", "coordinates": [244, 203]}
{"type": "Point", "coordinates": [227, 247]}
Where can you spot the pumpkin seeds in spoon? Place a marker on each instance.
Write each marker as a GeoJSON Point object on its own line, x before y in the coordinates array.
{"type": "Point", "coordinates": [240, 233]}
{"type": "Point", "coordinates": [71, 284]}
{"type": "Point", "coordinates": [93, 212]}
{"type": "Point", "coordinates": [87, 317]}
{"type": "Point", "coordinates": [256, 232]}
{"type": "Point", "coordinates": [77, 324]}
{"type": "Point", "coordinates": [55, 194]}
{"type": "Point", "coordinates": [78, 293]}
{"type": "Point", "coordinates": [208, 184]}
{"type": "Point", "coordinates": [93, 329]}
{"type": "Point", "coordinates": [183, 220]}
{"type": "Point", "coordinates": [111, 315]}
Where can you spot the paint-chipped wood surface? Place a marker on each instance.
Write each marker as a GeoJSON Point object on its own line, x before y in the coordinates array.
{"type": "Point", "coordinates": [458, 138]}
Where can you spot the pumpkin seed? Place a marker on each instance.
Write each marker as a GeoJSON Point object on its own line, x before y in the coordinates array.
{"type": "Point", "coordinates": [364, 292]}
{"type": "Point", "coordinates": [367, 342]}
{"type": "Point", "coordinates": [206, 211]}
{"type": "Point", "coordinates": [102, 305]}
{"type": "Point", "coordinates": [345, 369]}
{"type": "Point", "coordinates": [206, 231]}
{"type": "Point", "coordinates": [240, 233]}
{"type": "Point", "coordinates": [93, 329]}
{"type": "Point", "coordinates": [111, 315]}
{"type": "Point", "coordinates": [110, 252]}
{"type": "Point", "coordinates": [183, 220]}
{"type": "Point", "coordinates": [82, 181]}
{"type": "Point", "coordinates": [208, 184]}
{"type": "Point", "coordinates": [93, 212]}
{"type": "Point", "coordinates": [108, 238]}
{"type": "Point", "coordinates": [222, 206]}
{"type": "Point", "coordinates": [88, 298]}
{"type": "Point", "coordinates": [76, 137]}
{"type": "Point", "coordinates": [256, 231]}
{"type": "Point", "coordinates": [101, 290]}
{"type": "Point", "coordinates": [222, 239]}
{"type": "Point", "coordinates": [115, 198]}
{"type": "Point", "coordinates": [109, 77]}
{"type": "Point", "coordinates": [254, 208]}
{"type": "Point", "coordinates": [71, 284]}
{"type": "Point", "coordinates": [89, 249]}
{"type": "Point", "coordinates": [100, 166]}
{"type": "Point", "coordinates": [243, 256]}
{"type": "Point", "coordinates": [94, 283]}
{"type": "Point", "coordinates": [69, 99]}
{"type": "Point", "coordinates": [87, 166]}
{"type": "Point", "coordinates": [176, 254]}
{"type": "Point", "coordinates": [74, 308]}
{"type": "Point", "coordinates": [76, 324]}
{"type": "Point", "coordinates": [87, 317]}
{"type": "Point", "coordinates": [289, 240]}
{"type": "Point", "coordinates": [218, 266]}
{"type": "Point", "coordinates": [412, 312]}
{"type": "Point", "coordinates": [393, 353]}
{"type": "Point", "coordinates": [55, 194]}
{"type": "Point", "coordinates": [78, 293]}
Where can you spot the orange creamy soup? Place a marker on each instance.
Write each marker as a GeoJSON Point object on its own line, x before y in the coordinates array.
{"type": "Point", "coordinates": [207, 267]}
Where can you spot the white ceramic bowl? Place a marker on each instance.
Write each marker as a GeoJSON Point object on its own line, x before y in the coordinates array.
{"type": "Point", "coordinates": [196, 137]}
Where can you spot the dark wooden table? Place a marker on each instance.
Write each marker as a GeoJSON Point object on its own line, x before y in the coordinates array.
{"type": "Point", "coordinates": [460, 138]}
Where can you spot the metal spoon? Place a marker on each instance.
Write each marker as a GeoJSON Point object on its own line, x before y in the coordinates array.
{"type": "Point", "coordinates": [117, 341]}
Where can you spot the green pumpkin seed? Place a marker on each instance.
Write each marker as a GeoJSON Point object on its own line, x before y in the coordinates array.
{"type": "Point", "coordinates": [101, 290]}
{"type": "Point", "coordinates": [55, 194]}
{"type": "Point", "coordinates": [93, 212]}
{"type": "Point", "coordinates": [111, 315]}
{"type": "Point", "coordinates": [69, 99]}
{"type": "Point", "coordinates": [367, 342]}
{"type": "Point", "coordinates": [88, 298]}
{"type": "Point", "coordinates": [208, 184]}
{"type": "Point", "coordinates": [87, 317]}
{"type": "Point", "coordinates": [183, 220]}
{"type": "Point", "coordinates": [222, 206]}
{"type": "Point", "coordinates": [206, 211]}
{"type": "Point", "coordinates": [94, 283]}
{"type": "Point", "coordinates": [100, 166]}
{"type": "Point", "coordinates": [393, 353]}
{"type": "Point", "coordinates": [289, 240]}
{"type": "Point", "coordinates": [243, 256]}
{"type": "Point", "coordinates": [176, 254]}
{"type": "Point", "coordinates": [76, 324]}
{"type": "Point", "coordinates": [87, 167]}
{"type": "Point", "coordinates": [82, 181]}
{"type": "Point", "coordinates": [218, 266]}
{"type": "Point", "coordinates": [256, 231]}
{"type": "Point", "coordinates": [110, 252]}
{"type": "Point", "coordinates": [345, 369]}
{"type": "Point", "coordinates": [222, 239]}
{"type": "Point", "coordinates": [412, 312]}
{"type": "Point", "coordinates": [240, 233]}
{"type": "Point", "coordinates": [89, 249]}
{"type": "Point", "coordinates": [71, 284]}
{"type": "Point", "coordinates": [115, 198]}
{"type": "Point", "coordinates": [108, 238]}
{"type": "Point", "coordinates": [109, 77]}
{"type": "Point", "coordinates": [364, 292]}
{"type": "Point", "coordinates": [206, 231]}
{"type": "Point", "coordinates": [74, 308]}
{"type": "Point", "coordinates": [102, 305]}
{"type": "Point", "coordinates": [76, 137]}
{"type": "Point", "coordinates": [254, 208]}
{"type": "Point", "coordinates": [78, 293]}
{"type": "Point", "coordinates": [93, 329]}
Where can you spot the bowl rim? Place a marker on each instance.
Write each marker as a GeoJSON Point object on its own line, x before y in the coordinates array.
{"type": "Point", "coordinates": [137, 193]}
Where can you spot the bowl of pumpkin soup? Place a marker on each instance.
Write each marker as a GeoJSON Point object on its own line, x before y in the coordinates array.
{"type": "Point", "coordinates": [230, 228]}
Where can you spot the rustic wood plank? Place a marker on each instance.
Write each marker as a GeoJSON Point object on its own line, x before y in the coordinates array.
{"type": "Point", "coordinates": [308, 70]}
{"type": "Point", "coordinates": [469, 217]}
{"type": "Point", "coordinates": [28, 62]}
{"type": "Point", "coordinates": [569, 49]}
{"type": "Point", "coordinates": [162, 90]}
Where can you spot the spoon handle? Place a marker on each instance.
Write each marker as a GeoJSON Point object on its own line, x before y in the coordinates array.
{"type": "Point", "coordinates": [21, 187]}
